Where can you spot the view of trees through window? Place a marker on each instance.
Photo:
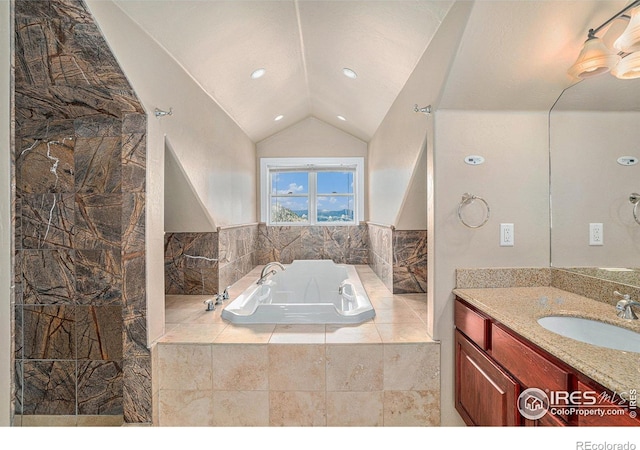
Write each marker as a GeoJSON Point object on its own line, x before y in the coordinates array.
{"type": "Point", "coordinates": [312, 196]}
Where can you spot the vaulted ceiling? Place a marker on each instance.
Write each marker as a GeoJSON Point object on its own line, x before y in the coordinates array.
{"type": "Point", "coordinates": [513, 55]}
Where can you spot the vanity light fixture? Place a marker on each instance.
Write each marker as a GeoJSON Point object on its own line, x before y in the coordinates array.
{"type": "Point", "coordinates": [629, 40]}
{"type": "Point", "coordinates": [258, 73]}
{"type": "Point", "coordinates": [349, 73]}
{"type": "Point", "coordinates": [596, 58]}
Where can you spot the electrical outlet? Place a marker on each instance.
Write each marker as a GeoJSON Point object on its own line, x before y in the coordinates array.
{"type": "Point", "coordinates": [596, 234]}
{"type": "Point", "coordinates": [506, 235]}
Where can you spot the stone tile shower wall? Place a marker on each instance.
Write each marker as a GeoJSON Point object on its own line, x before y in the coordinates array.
{"type": "Point", "coordinates": [80, 160]}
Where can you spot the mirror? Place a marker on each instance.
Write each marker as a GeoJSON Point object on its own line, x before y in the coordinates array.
{"type": "Point", "coordinates": [594, 139]}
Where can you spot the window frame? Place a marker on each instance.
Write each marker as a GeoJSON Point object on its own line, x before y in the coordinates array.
{"type": "Point", "coordinates": [312, 166]}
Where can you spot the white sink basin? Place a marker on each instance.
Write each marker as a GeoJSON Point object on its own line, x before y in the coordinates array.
{"type": "Point", "coordinates": [593, 332]}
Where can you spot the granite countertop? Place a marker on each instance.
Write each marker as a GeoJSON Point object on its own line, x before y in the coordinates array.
{"type": "Point", "coordinates": [518, 308]}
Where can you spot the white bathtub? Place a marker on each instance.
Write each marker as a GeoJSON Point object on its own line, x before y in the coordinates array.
{"type": "Point", "coordinates": [307, 291]}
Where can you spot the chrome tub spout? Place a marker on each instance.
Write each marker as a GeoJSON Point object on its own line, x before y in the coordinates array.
{"type": "Point", "coordinates": [266, 271]}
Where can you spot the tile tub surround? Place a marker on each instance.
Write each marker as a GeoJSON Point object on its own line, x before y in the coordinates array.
{"type": "Point", "coordinates": [409, 261]}
{"type": "Point", "coordinates": [237, 252]}
{"type": "Point", "coordinates": [385, 372]}
{"type": "Point", "coordinates": [342, 244]}
{"type": "Point", "coordinates": [201, 263]}
{"type": "Point", "coordinates": [79, 157]}
{"type": "Point", "coordinates": [399, 257]}
{"type": "Point", "coordinates": [518, 308]}
{"type": "Point", "coordinates": [380, 245]}
{"type": "Point", "coordinates": [191, 263]}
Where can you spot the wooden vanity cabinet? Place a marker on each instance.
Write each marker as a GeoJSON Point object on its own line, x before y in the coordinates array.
{"type": "Point", "coordinates": [485, 394]}
{"type": "Point", "coordinates": [617, 416]}
{"type": "Point", "coordinates": [494, 365]}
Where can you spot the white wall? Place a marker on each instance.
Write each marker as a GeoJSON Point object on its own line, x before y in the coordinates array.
{"type": "Point", "coordinates": [588, 185]}
{"type": "Point", "coordinates": [214, 151]}
{"type": "Point", "coordinates": [5, 215]}
{"type": "Point", "coordinates": [514, 180]}
{"type": "Point", "coordinates": [396, 150]}
{"type": "Point", "coordinates": [312, 138]}
{"type": "Point", "coordinates": [183, 209]}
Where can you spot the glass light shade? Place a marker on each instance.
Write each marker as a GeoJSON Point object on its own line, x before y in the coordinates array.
{"type": "Point", "coordinates": [629, 40]}
{"type": "Point", "coordinates": [594, 59]}
{"type": "Point", "coordinates": [628, 67]}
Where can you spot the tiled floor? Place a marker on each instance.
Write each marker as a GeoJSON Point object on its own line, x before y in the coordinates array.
{"type": "Point", "coordinates": [384, 372]}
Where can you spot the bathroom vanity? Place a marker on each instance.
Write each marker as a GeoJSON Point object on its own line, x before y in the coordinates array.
{"type": "Point", "coordinates": [501, 351]}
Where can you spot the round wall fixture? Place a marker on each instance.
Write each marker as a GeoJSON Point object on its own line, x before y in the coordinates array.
{"type": "Point", "coordinates": [474, 160]}
{"type": "Point", "coordinates": [258, 73]}
{"type": "Point", "coordinates": [627, 160]}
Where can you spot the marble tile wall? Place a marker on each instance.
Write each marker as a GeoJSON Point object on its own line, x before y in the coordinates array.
{"type": "Point", "coordinates": [205, 263]}
{"type": "Point", "coordinates": [409, 261]}
{"type": "Point", "coordinates": [343, 245]}
{"type": "Point", "coordinates": [191, 263]}
{"type": "Point", "coordinates": [399, 258]}
{"type": "Point", "coordinates": [79, 157]}
{"type": "Point", "coordinates": [237, 252]}
{"type": "Point", "coordinates": [381, 252]}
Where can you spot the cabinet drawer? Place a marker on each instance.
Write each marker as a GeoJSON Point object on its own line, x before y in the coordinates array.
{"type": "Point", "coordinates": [473, 324]}
{"type": "Point", "coordinates": [605, 413]}
{"type": "Point", "coordinates": [526, 364]}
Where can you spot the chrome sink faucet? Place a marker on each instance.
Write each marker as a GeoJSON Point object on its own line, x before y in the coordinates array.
{"type": "Point", "coordinates": [625, 306]}
{"type": "Point", "coordinates": [266, 272]}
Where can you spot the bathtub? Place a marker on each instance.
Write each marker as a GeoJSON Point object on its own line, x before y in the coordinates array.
{"type": "Point", "coordinates": [307, 291]}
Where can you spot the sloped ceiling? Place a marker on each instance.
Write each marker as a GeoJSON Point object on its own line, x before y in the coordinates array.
{"type": "Point", "coordinates": [303, 45]}
{"type": "Point", "coordinates": [514, 55]}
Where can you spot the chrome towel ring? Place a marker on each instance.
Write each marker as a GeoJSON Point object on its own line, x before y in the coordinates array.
{"type": "Point", "coordinates": [468, 199]}
{"type": "Point", "coordinates": [635, 200]}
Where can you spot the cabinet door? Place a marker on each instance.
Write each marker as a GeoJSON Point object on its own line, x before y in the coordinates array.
{"type": "Point", "coordinates": [606, 413]}
{"type": "Point", "coordinates": [485, 395]}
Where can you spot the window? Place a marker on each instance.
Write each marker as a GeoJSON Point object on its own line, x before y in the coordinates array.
{"type": "Point", "coordinates": [316, 191]}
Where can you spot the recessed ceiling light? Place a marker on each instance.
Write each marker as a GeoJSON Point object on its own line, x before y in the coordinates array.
{"type": "Point", "coordinates": [349, 73]}
{"type": "Point", "coordinates": [258, 73]}
{"type": "Point", "coordinates": [279, 117]}
{"type": "Point", "coordinates": [341, 118]}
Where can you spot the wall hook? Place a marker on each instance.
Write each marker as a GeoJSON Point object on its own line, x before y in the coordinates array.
{"type": "Point", "coordinates": [159, 113]}
{"type": "Point", "coordinates": [425, 109]}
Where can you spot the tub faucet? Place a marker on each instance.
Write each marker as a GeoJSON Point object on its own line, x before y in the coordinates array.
{"type": "Point", "coordinates": [266, 272]}
{"type": "Point", "coordinates": [625, 306]}
{"type": "Point", "coordinates": [211, 306]}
